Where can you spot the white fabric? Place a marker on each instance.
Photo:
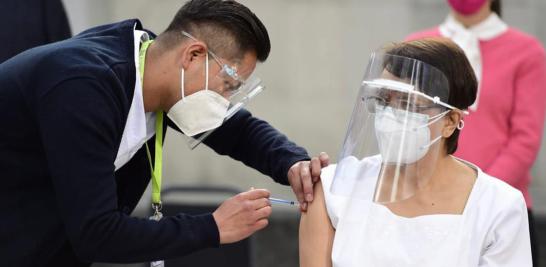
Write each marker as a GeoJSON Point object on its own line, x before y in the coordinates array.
{"type": "Point", "coordinates": [492, 231]}
{"type": "Point", "coordinates": [469, 40]}
{"type": "Point", "coordinates": [199, 112]}
{"type": "Point", "coordinates": [140, 126]}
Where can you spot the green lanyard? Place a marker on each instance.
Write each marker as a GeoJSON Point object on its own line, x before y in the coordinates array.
{"type": "Point", "coordinates": [157, 171]}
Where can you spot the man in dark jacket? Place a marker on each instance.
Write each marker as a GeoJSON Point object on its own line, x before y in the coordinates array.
{"type": "Point", "coordinates": [77, 148]}
{"type": "Point", "coordinates": [30, 23]}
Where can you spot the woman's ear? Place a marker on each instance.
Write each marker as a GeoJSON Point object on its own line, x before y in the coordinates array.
{"type": "Point", "coordinates": [453, 119]}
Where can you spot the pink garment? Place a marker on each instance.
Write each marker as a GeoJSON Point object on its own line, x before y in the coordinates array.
{"type": "Point", "coordinates": [503, 136]}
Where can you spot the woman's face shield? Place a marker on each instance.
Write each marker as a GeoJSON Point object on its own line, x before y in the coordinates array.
{"type": "Point", "coordinates": [394, 137]}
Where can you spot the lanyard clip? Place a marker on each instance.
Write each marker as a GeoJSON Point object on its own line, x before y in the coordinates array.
{"type": "Point", "coordinates": [156, 207]}
{"type": "Point", "coordinates": [157, 212]}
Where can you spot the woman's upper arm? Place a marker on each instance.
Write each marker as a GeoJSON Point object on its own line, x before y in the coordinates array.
{"type": "Point", "coordinates": [316, 234]}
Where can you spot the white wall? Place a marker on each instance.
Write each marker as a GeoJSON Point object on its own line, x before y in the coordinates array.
{"type": "Point", "coordinates": [320, 48]}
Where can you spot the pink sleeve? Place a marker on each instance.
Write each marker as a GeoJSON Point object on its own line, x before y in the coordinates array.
{"type": "Point", "coordinates": [414, 36]}
{"type": "Point", "coordinates": [527, 121]}
{"type": "Point", "coordinates": [432, 32]}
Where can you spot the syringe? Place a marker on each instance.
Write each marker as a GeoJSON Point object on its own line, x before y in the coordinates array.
{"type": "Point", "coordinates": [283, 202]}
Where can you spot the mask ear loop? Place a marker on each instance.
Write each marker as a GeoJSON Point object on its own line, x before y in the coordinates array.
{"type": "Point", "coordinates": [206, 77]}
{"type": "Point", "coordinates": [434, 119]}
{"type": "Point", "coordinates": [437, 117]}
{"type": "Point", "coordinates": [460, 126]}
{"type": "Point", "coordinates": [432, 142]}
{"type": "Point", "coordinates": [182, 82]}
{"type": "Point", "coordinates": [207, 72]}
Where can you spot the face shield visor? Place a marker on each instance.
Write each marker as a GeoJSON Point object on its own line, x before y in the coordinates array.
{"type": "Point", "coordinates": [394, 136]}
{"type": "Point", "coordinates": [228, 84]}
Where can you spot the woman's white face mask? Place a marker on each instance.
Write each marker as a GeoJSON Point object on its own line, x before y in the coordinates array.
{"type": "Point", "coordinates": [407, 139]}
{"type": "Point", "coordinates": [201, 111]}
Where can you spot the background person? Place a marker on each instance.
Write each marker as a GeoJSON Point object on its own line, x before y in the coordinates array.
{"type": "Point", "coordinates": [30, 23]}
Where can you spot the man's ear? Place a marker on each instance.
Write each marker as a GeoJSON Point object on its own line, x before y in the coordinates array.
{"type": "Point", "coordinates": [189, 53]}
{"type": "Point", "coordinates": [452, 121]}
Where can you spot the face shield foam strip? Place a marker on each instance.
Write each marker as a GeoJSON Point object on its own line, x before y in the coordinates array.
{"type": "Point", "coordinates": [406, 88]}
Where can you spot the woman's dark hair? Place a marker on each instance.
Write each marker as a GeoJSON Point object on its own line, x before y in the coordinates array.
{"type": "Point", "coordinates": [496, 6]}
{"type": "Point", "coordinates": [227, 27]}
{"type": "Point", "coordinates": [448, 58]}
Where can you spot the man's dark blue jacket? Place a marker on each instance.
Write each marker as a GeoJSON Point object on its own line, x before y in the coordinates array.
{"type": "Point", "coordinates": [63, 108]}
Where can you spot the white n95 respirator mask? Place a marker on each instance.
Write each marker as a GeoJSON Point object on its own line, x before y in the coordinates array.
{"type": "Point", "coordinates": [404, 137]}
{"type": "Point", "coordinates": [201, 111]}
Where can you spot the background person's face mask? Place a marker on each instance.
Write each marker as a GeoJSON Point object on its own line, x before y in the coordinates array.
{"type": "Point", "coordinates": [201, 111]}
{"type": "Point", "coordinates": [407, 129]}
{"type": "Point", "coordinates": [466, 7]}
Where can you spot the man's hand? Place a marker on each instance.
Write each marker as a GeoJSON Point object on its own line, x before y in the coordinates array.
{"type": "Point", "coordinates": [302, 175]}
{"type": "Point", "coordinates": [242, 215]}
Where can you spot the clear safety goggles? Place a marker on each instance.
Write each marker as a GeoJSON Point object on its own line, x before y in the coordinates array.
{"type": "Point", "coordinates": [231, 80]}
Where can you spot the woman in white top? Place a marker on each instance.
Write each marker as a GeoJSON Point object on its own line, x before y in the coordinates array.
{"type": "Point", "coordinates": [398, 197]}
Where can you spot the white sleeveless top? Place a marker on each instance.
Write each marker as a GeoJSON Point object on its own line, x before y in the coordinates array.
{"type": "Point", "coordinates": [492, 231]}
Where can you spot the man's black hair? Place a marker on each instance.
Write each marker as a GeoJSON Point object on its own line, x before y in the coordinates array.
{"type": "Point", "coordinates": [229, 28]}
